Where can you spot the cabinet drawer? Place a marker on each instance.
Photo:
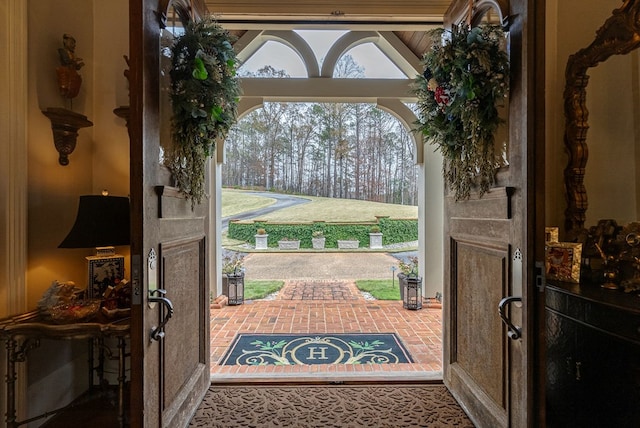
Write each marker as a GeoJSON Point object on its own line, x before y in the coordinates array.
{"type": "Point", "coordinates": [620, 321]}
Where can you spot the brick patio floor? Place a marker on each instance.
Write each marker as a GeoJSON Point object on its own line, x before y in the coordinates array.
{"type": "Point", "coordinates": [328, 306]}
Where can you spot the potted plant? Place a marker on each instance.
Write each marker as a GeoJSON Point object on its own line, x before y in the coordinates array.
{"type": "Point", "coordinates": [318, 239]}
{"type": "Point", "coordinates": [233, 278]}
{"type": "Point", "coordinates": [204, 96]}
{"type": "Point", "coordinates": [375, 238]}
{"type": "Point", "coordinates": [289, 244]}
{"type": "Point", "coordinates": [261, 239]}
{"type": "Point", "coordinates": [350, 243]}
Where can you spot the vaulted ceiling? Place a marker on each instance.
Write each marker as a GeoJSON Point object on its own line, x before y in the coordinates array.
{"type": "Point", "coordinates": [408, 19]}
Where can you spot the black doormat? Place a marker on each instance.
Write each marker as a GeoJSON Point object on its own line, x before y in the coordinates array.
{"type": "Point", "coordinates": [325, 348]}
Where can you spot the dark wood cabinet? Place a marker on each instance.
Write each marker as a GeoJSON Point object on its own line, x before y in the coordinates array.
{"type": "Point", "coordinates": [593, 357]}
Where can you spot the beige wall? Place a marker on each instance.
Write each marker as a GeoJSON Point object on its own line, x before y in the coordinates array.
{"type": "Point", "coordinates": [100, 161]}
{"type": "Point", "coordinates": [101, 158]}
{"type": "Point", "coordinates": [612, 101]}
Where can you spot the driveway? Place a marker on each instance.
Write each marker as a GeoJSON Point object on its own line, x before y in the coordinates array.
{"type": "Point", "coordinates": [320, 266]}
{"type": "Point", "coordinates": [282, 201]}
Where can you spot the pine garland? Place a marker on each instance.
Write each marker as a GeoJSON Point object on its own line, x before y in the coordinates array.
{"type": "Point", "coordinates": [465, 78]}
{"type": "Point", "coordinates": [204, 97]}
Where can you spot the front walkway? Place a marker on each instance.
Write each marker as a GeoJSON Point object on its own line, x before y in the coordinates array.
{"type": "Point", "coordinates": [328, 306]}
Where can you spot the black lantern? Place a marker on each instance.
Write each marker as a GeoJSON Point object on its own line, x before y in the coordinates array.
{"type": "Point", "coordinates": [233, 287]}
{"type": "Point", "coordinates": [412, 295]}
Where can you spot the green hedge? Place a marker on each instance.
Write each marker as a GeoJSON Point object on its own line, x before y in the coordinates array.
{"type": "Point", "coordinates": [393, 231]}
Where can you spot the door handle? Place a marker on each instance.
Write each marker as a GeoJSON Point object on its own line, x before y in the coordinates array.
{"type": "Point", "coordinates": [157, 333]}
{"type": "Point", "coordinates": [514, 332]}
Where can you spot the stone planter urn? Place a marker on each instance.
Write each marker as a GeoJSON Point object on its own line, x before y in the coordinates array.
{"type": "Point", "coordinates": [289, 245]}
{"type": "Point", "coordinates": [348, 244]}
{"type": "Point", "coordinates": [318, 243]}
{"type": "Point", "coordinates": [375, 240]}
{"type": "Point", "coordinates": [261, 241]}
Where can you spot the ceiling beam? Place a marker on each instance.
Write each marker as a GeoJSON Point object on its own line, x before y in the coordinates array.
{"type": "Point", "coordinates": [394, 15]}
{"type": "Point", "coordinates": [320, 89]}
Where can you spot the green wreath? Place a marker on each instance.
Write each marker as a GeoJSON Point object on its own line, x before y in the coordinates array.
{"type": "Point", "coordinates": [204, 98]}
{"type": "Point", "coordinates": [465, 78]}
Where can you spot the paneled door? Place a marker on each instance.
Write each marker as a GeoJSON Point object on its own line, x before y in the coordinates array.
{"type": "Point", "coordinates": [490, 249]}
{"type": "Point", "coordinates": [170, 312]}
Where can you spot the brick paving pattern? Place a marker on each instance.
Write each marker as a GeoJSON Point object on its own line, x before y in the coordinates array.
{"type": "Point", "coordinates": [319, 290]}
{"type": "Point", "coordinates": [305, 307]}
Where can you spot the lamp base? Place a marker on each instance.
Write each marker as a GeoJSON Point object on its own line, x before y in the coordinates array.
{"type": "Point", "coordinates": [104, 272]}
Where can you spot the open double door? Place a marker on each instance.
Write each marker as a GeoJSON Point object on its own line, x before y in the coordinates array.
{"type": "Point", "coordinates": [489, 247]}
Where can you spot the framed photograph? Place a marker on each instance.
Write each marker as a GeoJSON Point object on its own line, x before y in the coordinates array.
{"type": "Point", "coordinates": [104, 272]}
{"type": "Point", "coordinates": [562, 261]}
{"type": "Point", "coordinates": [551, 234]}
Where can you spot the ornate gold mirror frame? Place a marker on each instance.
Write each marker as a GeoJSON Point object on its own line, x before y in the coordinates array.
{"type": "Point", "coordinates": [619, 35]}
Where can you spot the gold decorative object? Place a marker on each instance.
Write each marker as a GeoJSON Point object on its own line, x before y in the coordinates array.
{"type": "Point", "coordinates": [562, 261]}
{"type": "Point", "coordinates": [78, 311]}
{"type": "Point", "coordinates": [69, 81]}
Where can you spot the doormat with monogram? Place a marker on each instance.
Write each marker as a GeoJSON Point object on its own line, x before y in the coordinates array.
{"type": "Point", "coordinates": [325, 348]}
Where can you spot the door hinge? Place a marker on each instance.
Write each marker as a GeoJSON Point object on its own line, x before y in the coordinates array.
{"type": "Point", "coordinates": [541, 280]}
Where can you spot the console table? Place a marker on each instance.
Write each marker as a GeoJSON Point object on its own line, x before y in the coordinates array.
{"type": "Point", "coordinates": [22, 333]}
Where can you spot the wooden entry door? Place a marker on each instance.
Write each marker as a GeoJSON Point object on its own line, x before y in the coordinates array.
{"type": "Point", "coordinates": [170, 312]}
{"type": "Point", "coordinates": [490, 250]}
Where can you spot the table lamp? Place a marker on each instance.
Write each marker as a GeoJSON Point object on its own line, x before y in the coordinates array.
{"type": "Point", "coordinates": [102, 222]}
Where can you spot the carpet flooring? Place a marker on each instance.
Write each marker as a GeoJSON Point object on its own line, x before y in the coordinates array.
{"type": "Point", "coordinates": [316, 348]}
{"type": "Point", "coordinates": [330, 406]}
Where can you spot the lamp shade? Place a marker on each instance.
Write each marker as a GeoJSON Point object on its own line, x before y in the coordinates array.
{"type": "Point", "coordinates": [102, 221]}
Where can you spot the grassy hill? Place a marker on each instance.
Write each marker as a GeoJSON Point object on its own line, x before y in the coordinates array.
{"type": "Point", "coordinates": [327, 209]}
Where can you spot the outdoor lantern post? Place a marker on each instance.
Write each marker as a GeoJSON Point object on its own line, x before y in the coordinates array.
{"type": "Point", "coordinates": [235, 288]}
{"type": "Point", "coordinates": [412, 296]}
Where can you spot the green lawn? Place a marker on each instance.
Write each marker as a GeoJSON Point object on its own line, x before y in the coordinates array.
{"type": "Point", "coordinates": [260, 289]}
{"type": "Point", "coordinates": [326, 209]}
{"type": "Point", "coordinates": [381, 289]}
{"type": "Point", "coordinates": [238, 201]}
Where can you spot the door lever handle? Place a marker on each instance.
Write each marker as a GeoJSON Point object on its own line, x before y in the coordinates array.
{"type": "Point", "coordinates": [157, 333]}
{"type": "Point", "coordinates": [514, 332]}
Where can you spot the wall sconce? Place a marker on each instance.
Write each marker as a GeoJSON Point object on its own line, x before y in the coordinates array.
{"type": "Point", "coordinates": [65, 125]}
{"type": "Point", "coordinates": [102, 222]}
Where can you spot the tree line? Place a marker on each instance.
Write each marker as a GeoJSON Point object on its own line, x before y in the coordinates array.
{"type": "Point", "coordinates": [352, 151]}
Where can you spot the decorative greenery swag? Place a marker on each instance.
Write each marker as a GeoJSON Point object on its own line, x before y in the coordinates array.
{"type": "Point", "coordinates": [204, 97]}
{"type": "Point", "coordinates": [466, 77]}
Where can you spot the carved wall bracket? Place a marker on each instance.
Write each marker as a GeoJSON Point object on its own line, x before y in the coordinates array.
{"type": "Point", "coordinates": [65, 125]}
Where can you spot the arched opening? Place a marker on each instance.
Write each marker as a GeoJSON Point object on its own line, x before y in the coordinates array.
{"type": "Point", "coordinates": [393, 95]}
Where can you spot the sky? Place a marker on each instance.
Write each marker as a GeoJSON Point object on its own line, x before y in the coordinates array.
{"type": "Point", "coordinates": [281, 57]}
